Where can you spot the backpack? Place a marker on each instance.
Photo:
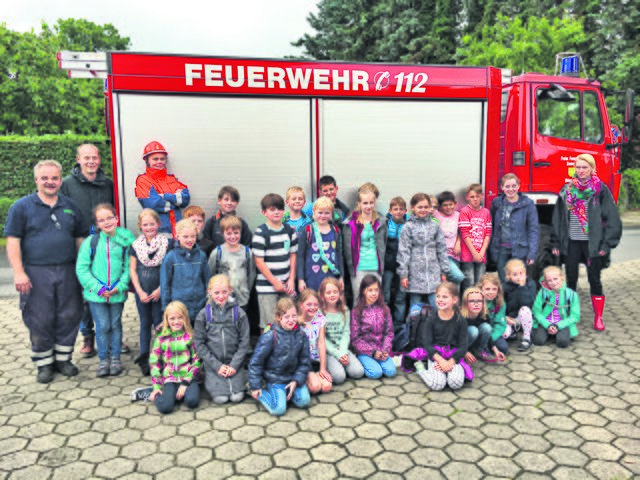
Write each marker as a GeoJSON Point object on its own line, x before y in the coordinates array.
{"type": "Point", "coordinates": [264, 230]}
{"type": "Point", "coordinates": [219, 260]}
{"type": "Point", "coordinates": [404, 338]}
{"type": "Point", "coordinates": [308, 231]}
{"type": "Point", "coordinates": [207, 311]}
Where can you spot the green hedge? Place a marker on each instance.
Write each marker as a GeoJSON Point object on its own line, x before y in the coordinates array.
{"type": "Point", "coordinates": [19, 154]}
{"type": "Point", "coordinates": [632, 177]}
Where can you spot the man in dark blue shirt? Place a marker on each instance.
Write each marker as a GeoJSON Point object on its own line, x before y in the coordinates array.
{"type": "Point", "coordinates": [43, 232]}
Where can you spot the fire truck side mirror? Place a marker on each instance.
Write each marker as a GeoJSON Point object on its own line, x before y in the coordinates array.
{"type": "Point", "coordinates": [629, 105]}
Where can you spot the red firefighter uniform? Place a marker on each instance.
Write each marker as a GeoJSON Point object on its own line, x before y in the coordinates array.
{"type": "Point", "coordinates": [164, 193]}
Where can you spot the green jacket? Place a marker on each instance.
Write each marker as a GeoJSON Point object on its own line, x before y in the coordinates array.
{"type": "Point", "coordinates": [110, 265]}
{"type": "Point", "coordinates": [568, 306]}
{"type": "Point", "coordinates": [497, 319]}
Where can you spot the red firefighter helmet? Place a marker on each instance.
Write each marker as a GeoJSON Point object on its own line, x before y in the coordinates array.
{"type": "Point", "coordinates": [153, 147]}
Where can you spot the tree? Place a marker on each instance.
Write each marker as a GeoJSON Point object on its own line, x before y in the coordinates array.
{"type": "Point", "coordinates": [521, 46]}
{"type": "Point", "coordinates": [37, 97]}
{"type": "Point", "coordinates": [414, 31]}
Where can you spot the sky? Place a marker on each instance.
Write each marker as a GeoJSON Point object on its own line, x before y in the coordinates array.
{"type": "Point", "coordinates": [249, 28]}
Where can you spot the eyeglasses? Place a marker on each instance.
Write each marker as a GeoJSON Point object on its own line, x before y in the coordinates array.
{"type": "Point", "coordinates": [475, 301]}
{"type": "Point", "coordinates": [55, 221]}
{"type": "Point", "coordinates": [105, 220]}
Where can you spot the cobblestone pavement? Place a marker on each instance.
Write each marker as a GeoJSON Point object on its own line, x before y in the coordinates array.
{"type": "Point", "coordinates": [565, 414]}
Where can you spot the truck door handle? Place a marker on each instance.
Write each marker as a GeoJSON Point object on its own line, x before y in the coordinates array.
{"type": "Point", "coordinates": [541, 164]}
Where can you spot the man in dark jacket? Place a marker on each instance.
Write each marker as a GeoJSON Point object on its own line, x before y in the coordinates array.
{"type": "Point", "coordinates": [88, 187]}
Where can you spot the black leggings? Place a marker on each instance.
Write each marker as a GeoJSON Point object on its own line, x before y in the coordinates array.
{"type": "Point", "coordinates": [579, 253]}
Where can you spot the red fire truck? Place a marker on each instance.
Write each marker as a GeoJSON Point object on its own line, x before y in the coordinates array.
{"type": "Point", "coordinates": [264, 125]}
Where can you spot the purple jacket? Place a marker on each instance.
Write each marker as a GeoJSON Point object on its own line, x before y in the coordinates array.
{"type": "Point", "coordinates": [372, 331]}
{"type": "Point", "coordinates": [352, 236]}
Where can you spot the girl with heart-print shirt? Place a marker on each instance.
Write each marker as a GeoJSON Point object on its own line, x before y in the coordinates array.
{"type": "Point", "coordinates": [319, 248]}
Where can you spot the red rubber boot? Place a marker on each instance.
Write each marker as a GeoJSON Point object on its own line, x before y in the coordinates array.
{"type": "Point", "coordinates": [598, 307]}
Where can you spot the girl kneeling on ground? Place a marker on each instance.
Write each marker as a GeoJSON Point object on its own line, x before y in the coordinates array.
{"type": "Point", "coordinates": [372, 330]}
{"type": "Point", "coordinates": [174, 361]}
{"type": "Point", "coordinates": [444, 336]}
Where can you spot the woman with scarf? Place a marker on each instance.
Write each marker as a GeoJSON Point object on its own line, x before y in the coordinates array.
{"type": "Point", "coordinates": [586, 227]}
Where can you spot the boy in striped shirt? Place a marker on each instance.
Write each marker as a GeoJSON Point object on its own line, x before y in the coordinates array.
{"type": "Point", "coordinates": [274, 248]}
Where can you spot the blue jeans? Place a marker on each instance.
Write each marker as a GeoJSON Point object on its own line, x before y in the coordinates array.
{"type": "Point", "coordinates": [478, 337]}
{"type": "Point", "coordinates": [376, 368]}
{"type": "Point", "coordinates": [391, 280]}
{"type": "Point", "coordinates": [274, 398]}
{"type": "Point", "coordinates": [429, 298]}
{"type": "Point", "coordinates": [472, 272]}
{"type": "Point", "coordinates": [150, 317]}
{"type": "Point", "coordinates": [504, 255]}
{"type": "Point", "coordinates": [502, 345]}
{"type": "Point", "coordinates": [455, 275]}
{"type": "Point", "coordinates": [108, 320]}
{"type": "Point", "coordinates": [167, 400]}
{"type": "Point", "coordinates": [86, 323]}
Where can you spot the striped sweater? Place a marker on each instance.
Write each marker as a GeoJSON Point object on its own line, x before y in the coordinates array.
{"type": "Point", "coordinates": [173, 358]}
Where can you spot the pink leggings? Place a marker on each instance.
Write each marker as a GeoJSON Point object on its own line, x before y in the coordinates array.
{"type": "Point", "coordinates": [524, 320]}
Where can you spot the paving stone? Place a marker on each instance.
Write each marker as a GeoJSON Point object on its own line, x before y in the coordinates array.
{"type": "Point", "coordinates": [601, 451]}
{"type": "Point", "coordinates": [278, 474]}
{"type": "Point", "coordinates": [362, 447]}
{"type": "Point", "coordinates": [314, 424]}
{"type": "Point", "coordinates": [328, 453]}
{"type": "Point", "coordinates": [47, 442]}
{"type": "Point", "coordinates": [624, 430]}
{"type": "Point", "coordinates": [393, 462]}
{"type": "Point", "coordinates": [216, 469]}
{"type": "Point", "coordinates": [432, 439]}
{"type": "Point", "coordinates": [318, 471]}
{"type": "Point", "coordinates": [111, 424]}
{"type": "Point", "coordinates": [177, 472]}
{"type": "Point", "coordinates": [268, 446]}
{"type": "Point", "coordinates": [115, 468]}
{"type": "Point", "coordinates": [99, 453]}
{"type": "Point", "coordinates": [596, 434]}
{"type": "Point", "coordinates": [399, 443]}
{"type": "Point", "coordinates": [609, 470]}
{"type": "Point", "coordinates": [459, 470]}
{"type": "Point", "coordinates": [422, 473]}
{"type": "Point", "coordinates": [464, 453]}
{"type": "Point", "coordinates": [228, 423]}
{"type": "Point", "coordinates": [568, 457]}
{"type": "Point", "coordinates": [231, 451]}
{"type": "Point", "coordinates": [29, 473]}
{"type": "Point", "coordinates": [536, 462]}
{"type": "Point", "coordinates": [291, 458]}
{"type": "Point", "coordinates": [466, 435]}
{"type": "Point", "coordinates": [347, 419]}
{"type": "Point", "coordinates": [251, 465]}
{"type": "Point", "coordinates": [123, 437]}
{"type": "Point", "coordinates": [340, 435]}
{"type": "Point", "coordinates": [139, 449]}
{"type": "Point", "coordinates": [571, 473]}
{"type": "Point", "coordinates": [372, 431]}
{"type": "Point", "coordinates": [559, 438]}
{"type": "Point", "coordinates": [194, 457]}
{"type": "Point", "coordinates": [498, 447]}
{"type": "Point", "coordinates": [499, 466]}
{"type": "Point", "coordinates": [429, 457]}
{"type": "Point", "coordinates": [385, 403]}
{"type": "Point", "coordinates": [356, 467]}
{"type": "Point", "coordinates": [212, 439]}
{"type": "Point", "coordinates": [73, 471]}
{"type": "Point", "coordinates": [36, 430]}
{"type": "Point", "coordinates": [628, 445]}
{"type": "Point", "coordinates": [586, 418]}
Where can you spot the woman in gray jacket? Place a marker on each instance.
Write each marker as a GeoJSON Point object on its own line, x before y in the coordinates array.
{"type": "Point", "coordinates": [422, 253]}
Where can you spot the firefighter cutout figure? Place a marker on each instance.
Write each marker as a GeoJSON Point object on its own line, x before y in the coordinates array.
{"type": "Point", "coordinates": [160, 191]}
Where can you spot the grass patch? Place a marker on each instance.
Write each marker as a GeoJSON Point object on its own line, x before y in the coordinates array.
{"type": "Point", "coordinates": [539, 404]}
{"type": "Point", "coordinates": [454, 412]}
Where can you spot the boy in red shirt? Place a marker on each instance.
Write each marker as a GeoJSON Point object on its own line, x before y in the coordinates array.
{"type": "Point", "coordinates": [475, 231]}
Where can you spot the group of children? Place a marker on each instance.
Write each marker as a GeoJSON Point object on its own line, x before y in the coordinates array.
{"type": "Point", "coordinates": [206, 275]}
